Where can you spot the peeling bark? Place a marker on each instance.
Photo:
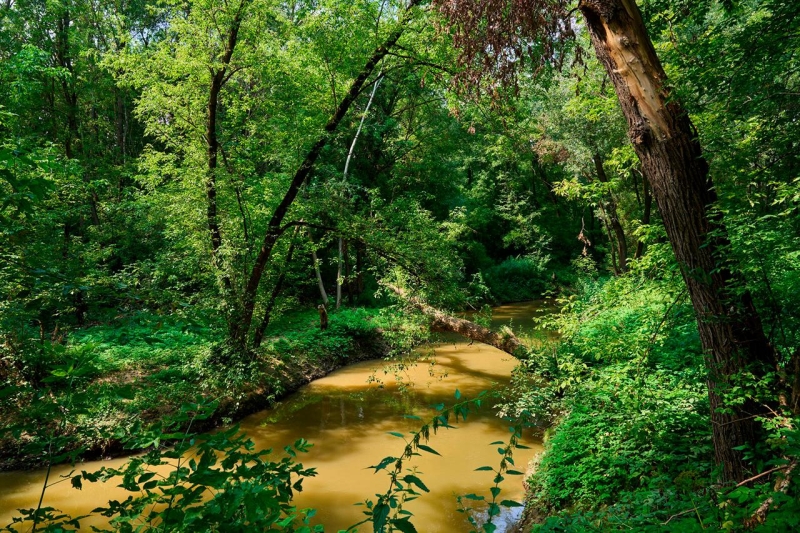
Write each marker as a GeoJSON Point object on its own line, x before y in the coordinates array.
{"type": "Point", "coordinates": [666, 143]}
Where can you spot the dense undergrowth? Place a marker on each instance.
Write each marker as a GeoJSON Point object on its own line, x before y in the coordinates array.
{"type": "Point", "coordinates": [629, 448]}
{"type": "Point", "coordinates": [517, 279]}
{"type": "Point", "coordinates": [87, 393]}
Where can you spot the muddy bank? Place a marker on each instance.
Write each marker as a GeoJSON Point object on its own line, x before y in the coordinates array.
{"type": "Point", "coordinates": [281, 376]}
{"type": "Point", "coordinates": [353, 417]}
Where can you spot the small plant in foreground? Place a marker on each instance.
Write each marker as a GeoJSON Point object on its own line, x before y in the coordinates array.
{"type": "Point", "coordinates": [388, 513]}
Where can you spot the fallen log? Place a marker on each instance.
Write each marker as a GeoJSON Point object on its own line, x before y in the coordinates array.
{"type": "Point", "coordinates": [442, 322]}
{"type": "Point", "coordinates": [781, 485]}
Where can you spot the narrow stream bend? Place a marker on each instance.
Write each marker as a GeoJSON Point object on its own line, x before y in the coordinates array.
{"type": "Point", "coordinates": [347, 416]}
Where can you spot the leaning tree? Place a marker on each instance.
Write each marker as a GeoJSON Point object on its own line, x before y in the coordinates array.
{"type": "Point", "coordinates": [497, 37]}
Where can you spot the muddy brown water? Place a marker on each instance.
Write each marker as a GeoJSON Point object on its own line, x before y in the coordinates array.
{"type": "Point", "coordinates": [347, 416]}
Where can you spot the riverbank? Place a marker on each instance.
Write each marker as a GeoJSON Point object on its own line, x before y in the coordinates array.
{"type": "Point", "coordinates": [623, 393]}
{"type": "Point", "coordinates": [111, 380]}
{"type": "Point", "coordinates": [352, 418]}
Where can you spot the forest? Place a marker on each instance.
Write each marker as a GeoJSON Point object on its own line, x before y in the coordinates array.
{"type": "Point", "coordinates": [207, 204]}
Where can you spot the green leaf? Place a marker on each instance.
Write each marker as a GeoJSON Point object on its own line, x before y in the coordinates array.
{"type": "Point", "coordinates": [458, 394]}
{"type": "Point", "coordinates": [396, 434]}
{"type": "Point", "coordinates": [416, 481]}
{"type": "Point", "coordinates": [379, 515]}
{"type": "Point", "coordinates": [404, 525]}
{"type": "Point", "coordinates": [386, 461]}
{"type": "Point", "coordinates": [147, 476]}
{"type": "Point", "coordinates": [286, 521]}
{"type": "Point", "coordinates": [484, 468]}
{"type": "Point", "coordinates": [426, 448]}
{"type": "Point", "coordinates": [511, 503]}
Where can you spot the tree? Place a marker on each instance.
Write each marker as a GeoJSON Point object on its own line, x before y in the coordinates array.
{"type": "Point", "coordinates": [67, 115]}
{"type": "Point", "coordinates": [581, 121]}
{"type": "Point", "coordinates": [246, 98]}
{"type": "Point", "coordinates": [494, 39]}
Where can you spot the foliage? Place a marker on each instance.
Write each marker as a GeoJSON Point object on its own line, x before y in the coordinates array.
{"type": "Point", "coordinates": [128, 133]}
{"type": "Point", "coordinates": [631, 448]}
{"type": "Point", "coordinates": [143, 367]}
{"type": "Point", "coordinates": [348, 329]}
{"type": "Point", "coordinates": [388, 514]}
{"type": "Point", "coordinates": [517, 279]}
{"type": "Point", "coordinates": [210, 482]}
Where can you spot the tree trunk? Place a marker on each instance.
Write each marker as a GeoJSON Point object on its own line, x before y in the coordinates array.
{"type": "Point", "coordinates": [611, 243]}
{"type": "Point", "coordinates": [322, 293]}
{"type": "Point", "coordinates": [258, 336]}
{"type": "Point", "coordinates": [613, 217]}
{"type": "Point", "coordinates": [241, 328]}
{"type": "Point", "coordinates": [211, 156]}
{"type": "Point", "coordinates": [64, 60]}
{"type": "Point", "coordinates": [348, 273]}
{"type": "Point", "coordinates": [648, 205]}
{"type": "Point", "coordinates": [666, 144]}
{"type": "Point", "coordinates": [441, 321]}
{"type": "Point", "coordinates": [339, 278]}
{"type": "Point", "coordinates": [219, 77]}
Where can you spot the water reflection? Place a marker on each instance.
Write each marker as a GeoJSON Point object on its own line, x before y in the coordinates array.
{"type": "Point", "coordinates": [348, 416]}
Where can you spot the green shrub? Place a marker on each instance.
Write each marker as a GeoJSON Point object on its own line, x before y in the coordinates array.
{"type": "Point", "coordinates": [517, 279]}
{"type": "Point", "coordinates": [625, 432]}
{"type": "Point", "coordinates": [633, 448]}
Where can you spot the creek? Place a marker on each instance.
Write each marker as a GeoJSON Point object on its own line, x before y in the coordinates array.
{"type": "Point", "coordinates": [347, 416]}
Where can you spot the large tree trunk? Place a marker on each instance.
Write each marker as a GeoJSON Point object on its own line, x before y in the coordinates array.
{"type": "Point", "coordinates": [672, 161]}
